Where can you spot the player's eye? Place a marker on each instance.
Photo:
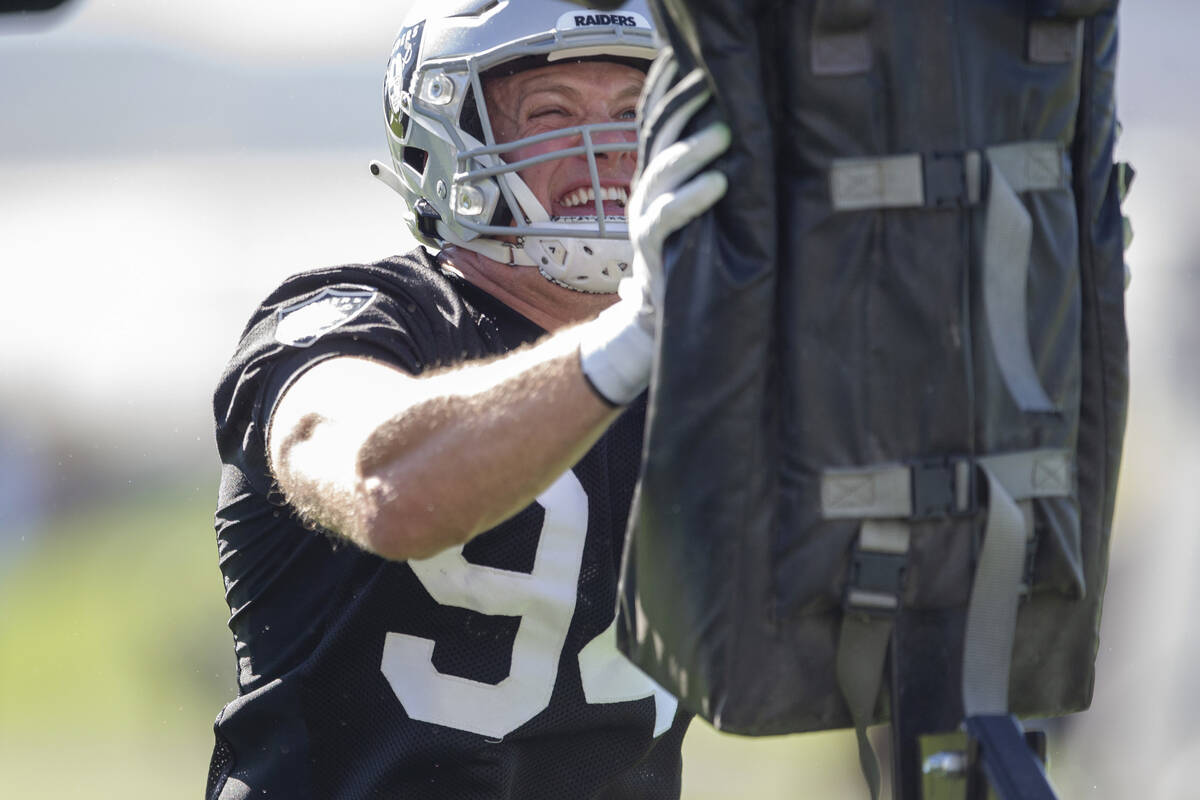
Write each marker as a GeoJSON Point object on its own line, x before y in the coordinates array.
{"type": "Point", "coordinates": [548, 112]}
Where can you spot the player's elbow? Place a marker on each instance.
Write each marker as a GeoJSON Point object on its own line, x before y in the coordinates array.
{"type": "Point", "coordinates": [404, 523]}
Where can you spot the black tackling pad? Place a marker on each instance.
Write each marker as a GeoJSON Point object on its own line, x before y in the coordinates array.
{"type": "Point", "coordinates": [799, 338]}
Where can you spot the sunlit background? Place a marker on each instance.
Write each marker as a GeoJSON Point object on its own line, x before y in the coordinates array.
{"type": "Point", "coordinates": [163, 165]}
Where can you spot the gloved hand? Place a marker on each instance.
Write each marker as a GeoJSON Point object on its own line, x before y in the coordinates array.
{"type": "Point", "coordinates": [617, 348]}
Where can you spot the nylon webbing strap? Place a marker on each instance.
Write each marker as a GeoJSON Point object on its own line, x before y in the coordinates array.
{"type": "Point", "coordinates": [1032, 473]}
{"type": "Point", "coordinates": [898, 181]}
{"type": "Point", "coordinates": [992, 610]}
{"type": "Point", "coordinates": [882, 491]}
{"type": "Point", "coordinates": [862, 648]}
{"type": "Point", "coordinates": [1030, 166]}
{"type": "Point", "coordinates": [1008, 235]}
{"type": "Point", "coordinates": [872, 600]}
{"type": "Point", "coordinates": [857, 184]}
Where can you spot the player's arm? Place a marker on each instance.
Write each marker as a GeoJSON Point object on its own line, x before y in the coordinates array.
{"type": "Point", "coordinates": [406, 466]}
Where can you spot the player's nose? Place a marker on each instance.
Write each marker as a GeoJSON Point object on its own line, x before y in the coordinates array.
{"type": "Point", "coordinates": [615, 145]}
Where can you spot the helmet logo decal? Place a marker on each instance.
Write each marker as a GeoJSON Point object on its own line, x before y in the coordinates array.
{"type": "Point", "coordinates": [302, 323]}
{"type": "Point", "coordinates": [403, 63]}
{"type": "Point", "coordinates": [596, 19]}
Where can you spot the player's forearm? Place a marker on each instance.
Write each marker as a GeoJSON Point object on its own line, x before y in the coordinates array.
{"type": "Point", "coordinates": [479, 444]}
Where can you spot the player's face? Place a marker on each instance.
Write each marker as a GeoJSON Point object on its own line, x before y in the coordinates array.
{"type": "Point", "coordinates": [560, 96]}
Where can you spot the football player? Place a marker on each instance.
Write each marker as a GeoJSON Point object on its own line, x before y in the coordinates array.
{"type": "Point", "coordinates": [428, 461]}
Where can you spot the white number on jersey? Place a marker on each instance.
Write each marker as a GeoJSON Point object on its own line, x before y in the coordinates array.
{"type": "Point", "coordinates": [544, 599]}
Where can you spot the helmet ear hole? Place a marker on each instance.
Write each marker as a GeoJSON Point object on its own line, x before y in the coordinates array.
{"type": "Point", "coordinates": [399, 124]}
{"type": "Point", "coordinates": [468, 118]}
{"type": "Point", "coordinates": [502, 215]}
{"type": "Point", "coordinates": [416, 158]}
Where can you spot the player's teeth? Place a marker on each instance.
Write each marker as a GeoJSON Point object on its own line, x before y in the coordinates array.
{"type": "Point", "coordinates": [579, 197]}
{"type": "Point", "coordinates": [617, 193]}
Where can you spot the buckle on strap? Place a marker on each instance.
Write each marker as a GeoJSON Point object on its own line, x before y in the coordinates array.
{"type": "Point", "coordinates": [945, 178]}
{"type": "Point", "coordinates": [875, 574]}
{"type": "Point", "coordinates": [942, 488]}
{"type": "Point", "coordinates": [877, 567]}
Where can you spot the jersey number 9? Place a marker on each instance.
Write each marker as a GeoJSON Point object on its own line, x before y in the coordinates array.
{"type": "Point", "coordinates": [544, 599]}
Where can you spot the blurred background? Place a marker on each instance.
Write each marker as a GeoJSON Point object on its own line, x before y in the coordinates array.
{"type": "Point", "coordinates": [163, 165]}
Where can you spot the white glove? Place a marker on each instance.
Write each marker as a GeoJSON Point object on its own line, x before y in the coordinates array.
{"type": "Point", "coordinates": [617, 347]}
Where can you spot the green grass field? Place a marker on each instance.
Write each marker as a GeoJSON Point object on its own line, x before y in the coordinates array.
{"type": "Point", "coordinates": [114, 660]}
{"type": "Point", "coordinates": [113, 653]}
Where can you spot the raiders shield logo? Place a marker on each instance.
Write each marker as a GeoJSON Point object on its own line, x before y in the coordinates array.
{"type": "Point", "coordinates": [302, 323]}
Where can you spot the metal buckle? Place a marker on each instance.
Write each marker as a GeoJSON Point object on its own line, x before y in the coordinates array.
{"type": "Point", "coordinates": [935, 488]}
{"type": "Point", "coordinates": [945, 176]}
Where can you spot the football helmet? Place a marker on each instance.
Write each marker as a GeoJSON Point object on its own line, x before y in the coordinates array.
{"type": "Point", "coordinates": [446, 162]}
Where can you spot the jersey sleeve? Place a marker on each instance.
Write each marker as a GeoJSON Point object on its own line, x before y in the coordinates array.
{"type": "Point", "coordinates": [312, 318]}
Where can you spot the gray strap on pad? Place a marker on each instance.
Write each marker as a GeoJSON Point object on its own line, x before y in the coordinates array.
{"type": "Point", "coordinates": [1008, 235]}
{"type": "Point", "coordinates": [882, 491]}
{"type": "Point", "coordinates": [862, 648]}
{"type": "Point", "coordinates": [858, 184]}
{"type": "Point", "coordinates": [865, 632]}
{"type": "Point", "coordinates": [992, 611]}
{"type": "Point", "coordinates": [1031, 473]}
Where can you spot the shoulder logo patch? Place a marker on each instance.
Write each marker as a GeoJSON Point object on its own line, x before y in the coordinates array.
{"type": "Point", "coordinates": [302, 323]}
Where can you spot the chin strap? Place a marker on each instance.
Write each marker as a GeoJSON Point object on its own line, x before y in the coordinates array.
{"type": "Point", "coordinates": [513, 255]}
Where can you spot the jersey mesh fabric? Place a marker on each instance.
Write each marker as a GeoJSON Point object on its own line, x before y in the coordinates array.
{"type": "Point", "coordinates": [316, 716]}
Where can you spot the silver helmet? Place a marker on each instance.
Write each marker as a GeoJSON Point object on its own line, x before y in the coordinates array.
{"type": "Point", "coordinates": [446, 162]}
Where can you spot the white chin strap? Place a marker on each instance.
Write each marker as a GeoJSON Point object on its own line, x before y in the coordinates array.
{"type": "Point", "coordinates": [596, 272]}
{"type": "Point", "coordinates": [496, 250]}
{"type": "Point", "coordinates": [595, 266]}
{"type": "Point", "coordinates": [585, 264]}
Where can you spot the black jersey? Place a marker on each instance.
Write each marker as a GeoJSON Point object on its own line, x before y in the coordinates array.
{"type": "Point", "coordinates": [487, 671]}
